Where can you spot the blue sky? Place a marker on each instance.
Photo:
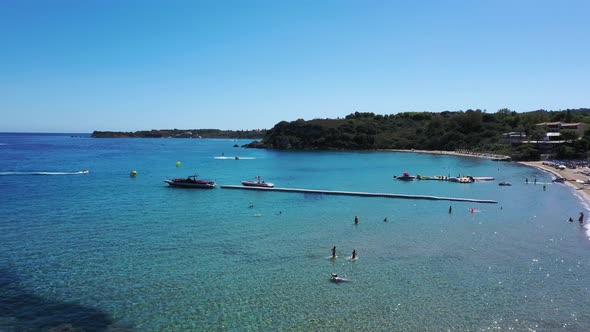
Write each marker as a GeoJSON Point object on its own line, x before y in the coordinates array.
{"type": "Point", "coordinates": [79, 66]}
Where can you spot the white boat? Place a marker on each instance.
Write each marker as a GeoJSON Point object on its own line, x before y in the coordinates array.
{"type": "Point", "coordinates": [191, 182]}
{"type": "Point", "coordinates": [258, 182]}
{"type": "Point", "coordinates": [461, 179]}
{"type": "Point", "coordinates": [483, 178]}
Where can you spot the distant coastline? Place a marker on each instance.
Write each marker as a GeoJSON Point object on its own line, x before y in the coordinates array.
{"type": "Point", "coordinates": [183, 133]}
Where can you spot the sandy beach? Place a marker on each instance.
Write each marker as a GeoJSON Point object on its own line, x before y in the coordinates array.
{"type": "Point", "coordinates": [570, 174]}
{"type": "Point", "coordinates": [452, 153]}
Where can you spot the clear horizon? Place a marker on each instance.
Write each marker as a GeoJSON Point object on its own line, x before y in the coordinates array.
{"type": "Point", "coordinates": [75, 67]}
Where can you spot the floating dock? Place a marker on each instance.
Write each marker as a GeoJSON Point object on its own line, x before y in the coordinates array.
{"type": "Point", "coordinates": [362, 194]}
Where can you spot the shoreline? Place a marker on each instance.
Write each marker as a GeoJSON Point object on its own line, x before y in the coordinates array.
{"type": "Point", "coordinates": [451, 153]}
{"type": "Point", "coordinates": [569, 174]}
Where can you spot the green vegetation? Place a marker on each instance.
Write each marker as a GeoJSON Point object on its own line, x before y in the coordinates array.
{"type": "Point", "coordinates": [183, 133]}
{"type": "Point", "coordinates": [474, 130]}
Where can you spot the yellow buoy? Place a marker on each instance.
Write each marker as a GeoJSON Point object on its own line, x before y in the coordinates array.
{"type": "Point", "coordinates": [178, 164]}
{"type": "Point", "coordinates": [133, 174]}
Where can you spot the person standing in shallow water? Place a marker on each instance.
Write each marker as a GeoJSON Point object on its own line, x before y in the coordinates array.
{"type": "Point", "coordinates": [354, 254]}
{"type": "Point", "coordinates": [450, 209]}
{"type": "Point", "coordinates": [334, 252]}
{"type": "Point", "coordinates": [581, 218]}
{"type": "Point", "coordinates": [356, 220]}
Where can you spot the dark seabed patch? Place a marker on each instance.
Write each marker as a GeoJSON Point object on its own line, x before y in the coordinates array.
{"type": "Point", "coordinates": [20, 310]}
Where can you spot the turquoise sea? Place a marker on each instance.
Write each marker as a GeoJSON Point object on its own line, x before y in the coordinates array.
{"type": "Point", "coordinates": [105, 251]}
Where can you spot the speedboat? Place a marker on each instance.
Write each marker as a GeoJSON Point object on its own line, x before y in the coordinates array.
{"type": "Point", "coordinates": [258, 182]}
{"type": "Point", "coordinates": [405, 177]}
{"type": "Point", "coordinates": [559, 180]}
{"type": "Point", "coordinates": [191, 182]}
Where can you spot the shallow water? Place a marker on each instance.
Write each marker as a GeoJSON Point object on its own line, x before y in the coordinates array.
{"type": "Point", "coordinates": [104, 250]}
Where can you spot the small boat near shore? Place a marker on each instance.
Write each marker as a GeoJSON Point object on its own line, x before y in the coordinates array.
{"type": "Point", "coordinates": [483, 178]}
{"type": "Point", "coordinates": [504, 184]}
{"type": "Point", "coordinates": [405, 177]}
{"type": "Point", "coordinates": [462, 179]}
{"type": "Point", "coordinates": [434, 177]}
{"type": "Point", "coordinates": [258, 182]}
{"type": "Point", "coordinates": [191, 182]}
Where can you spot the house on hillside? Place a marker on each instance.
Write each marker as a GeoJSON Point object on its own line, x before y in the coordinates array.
{"type": "Point", "coordinates": [514, 137]}
{"type": "Point", "coordinates": [553, 129]}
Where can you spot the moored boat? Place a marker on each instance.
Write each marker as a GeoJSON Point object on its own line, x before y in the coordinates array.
{"type": "Point", "coordinates": [466, 179]}
{"type": "Point", "coordinates": [258, 182]}
{"type": "Point", "coordinates": [504, 183]}
{"type": "Point", "coordinates": [405, 177]}
{"type": "Point", "coordinates": [483, 178]}
{"type": "Point", "coordinates": [191, 182]}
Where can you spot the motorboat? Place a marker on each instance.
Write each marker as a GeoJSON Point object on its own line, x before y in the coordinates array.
{"type": "Point", "coordinates": [559, 180]}
{"type": "Point", "coordinates": [465, 179]}
{"type": "Point", "coordinates": [504, 183]}
{"type": "Point", "coordinates": [258, 182]}
{"type": "Point", "coordinates": [191, 182]}
{"type": "Point", "coordinates": [405, 177]}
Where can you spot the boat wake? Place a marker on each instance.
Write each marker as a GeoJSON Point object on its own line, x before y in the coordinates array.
{"type": "Point", "coordinates": [234, 158]}
{"type": "Point", "coordinates": [42, 173]}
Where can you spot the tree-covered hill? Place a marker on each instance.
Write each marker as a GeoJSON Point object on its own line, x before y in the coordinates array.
{"type": "Point", "coordinates": [471, 129]}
